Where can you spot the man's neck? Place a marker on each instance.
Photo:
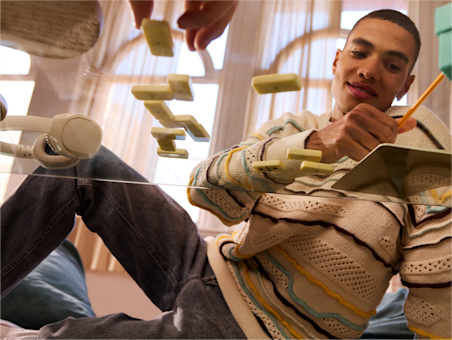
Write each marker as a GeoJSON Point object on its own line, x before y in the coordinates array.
{"type": "Point", "coordinates": [337, 114]}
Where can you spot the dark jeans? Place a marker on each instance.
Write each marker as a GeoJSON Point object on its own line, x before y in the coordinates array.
{"type": "Point", "coordinates": [151, 235]}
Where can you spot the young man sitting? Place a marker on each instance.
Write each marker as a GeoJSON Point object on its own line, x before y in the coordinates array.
{"type": "Point", "coordinates": [303, 266]}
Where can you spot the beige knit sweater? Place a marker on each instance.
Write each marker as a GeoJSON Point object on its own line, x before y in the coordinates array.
{"type": "Point", "coordinates": [317, 267]}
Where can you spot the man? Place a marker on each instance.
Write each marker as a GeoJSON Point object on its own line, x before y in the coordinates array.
{"type": "Point", "coordinates": [302, 266]}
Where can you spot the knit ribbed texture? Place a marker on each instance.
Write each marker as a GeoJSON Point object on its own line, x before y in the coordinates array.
{"type": "Point", "coordinates": [317, 267]}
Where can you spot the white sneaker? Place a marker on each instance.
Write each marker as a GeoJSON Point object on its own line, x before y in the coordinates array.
{"type": "Point", "coordinates": [9, 330]}
{"type": "Point", "coordinates": [63, 29]}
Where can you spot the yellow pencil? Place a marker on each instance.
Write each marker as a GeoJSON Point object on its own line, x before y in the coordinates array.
{"type": "Point", "coordinates": [421, 99]}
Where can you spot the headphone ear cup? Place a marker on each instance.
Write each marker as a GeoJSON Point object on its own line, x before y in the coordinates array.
{"type": "Point", "coordinates": [48, 161]}
{"type": "Point", "coordinates": [75, 136]}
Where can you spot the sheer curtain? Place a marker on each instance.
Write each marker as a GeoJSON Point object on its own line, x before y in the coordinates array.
{"type": "Point", "coordinates": [121, 59]}
{"type": "Point", "coordinates": [299, 37]}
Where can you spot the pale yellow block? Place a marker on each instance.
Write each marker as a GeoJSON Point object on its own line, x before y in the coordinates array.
{"type": "Point", "coordinates": [181, 86]}
{"type": "Point", "coordinates": [196, 131]}
{"type": "Point", "coordinates": [265, 166]}
{"type": "Point", "coordinates": [158, 132]}
{"type": "Point", "coordinates": [152, 92]}
{"type": "Point", "coordinates": [158, 37]}
{"type": "Point", "coordinates": [179, 153]}
{"type": "Point", "coordinates": [159, 109]}
{"type": "Point", "coordinates": [167, 144]}
{"type": "Point", "coordinates": [185, 119]}
{"type": "Point", "coordinates": [304, 154]}
{"type": "Point", "coordinates": [171, 124]}
{"type": "Point", "coordinates": [316, 168]}
{"type": "Point", "coordinates": [272, 83]}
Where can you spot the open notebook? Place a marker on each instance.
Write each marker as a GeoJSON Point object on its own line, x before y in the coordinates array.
{"type": "Point", "coordinates": [399, 171]}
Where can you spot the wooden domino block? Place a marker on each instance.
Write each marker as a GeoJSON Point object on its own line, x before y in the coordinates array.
{"type": "Point", "coordinates": [152, 92]}
{"type": "Point", "coordinates": [171, 124]}
{"type": "Point", "coordinates": [159, 133]}
{"type": "Point", "coordinates": [167, 144]}
{"type": "Point", "coordinates": [181, 86]}
{"type": "Point", "coordinates": [179, 153]}
{"type": "Point", "coordinates": [159, 109]}
{"type": "Point", "coordinates": [316, 168]}
{"type": "Point", "coordinates": [267, 166]}
{"type": "Point", "coordinates": [304, 154]}
{"type": "Point", "coordinates": [273, 83]}
{"type": "Point", "coordinates": [193, 128]}
{"type": "Point", "coordinates": [158, 37]}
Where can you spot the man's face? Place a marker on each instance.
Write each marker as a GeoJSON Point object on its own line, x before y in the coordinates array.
{"type": "Point", "coordinates": [374, 66]}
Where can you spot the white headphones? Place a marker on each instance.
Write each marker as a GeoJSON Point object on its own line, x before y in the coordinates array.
{"type": "Point", "coordinates": [73, 137]}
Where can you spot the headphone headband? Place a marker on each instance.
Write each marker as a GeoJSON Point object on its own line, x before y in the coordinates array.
{"type": "Point", "coordinates": [73, 137]}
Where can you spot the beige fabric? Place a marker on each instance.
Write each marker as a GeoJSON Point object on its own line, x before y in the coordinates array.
{"type": "Point", "coordinates": [331, 259]}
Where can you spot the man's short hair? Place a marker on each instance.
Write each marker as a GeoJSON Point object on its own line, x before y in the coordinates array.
{"type": "Point", "coordinates": [399, 19]}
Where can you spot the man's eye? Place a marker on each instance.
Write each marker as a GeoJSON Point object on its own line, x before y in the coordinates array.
{"type": "Point", "coordinates": [393, 67]}
{"type": "Point", "coordinates": [359, 54]}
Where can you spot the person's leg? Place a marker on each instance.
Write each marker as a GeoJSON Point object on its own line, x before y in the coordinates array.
{"type": "Point", "coordinates": [390, 321]}
{"type": "Point", "coordinates": [150, 234]}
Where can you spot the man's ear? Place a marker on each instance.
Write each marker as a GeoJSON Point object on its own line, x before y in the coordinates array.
{"type": "Point", "coordinates": [404, 89]}
{"type": "Point", "coordinates": [338, 56]}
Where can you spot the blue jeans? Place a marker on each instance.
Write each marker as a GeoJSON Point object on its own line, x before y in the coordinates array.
{"type": "Point", "coordinates": [151, 235]}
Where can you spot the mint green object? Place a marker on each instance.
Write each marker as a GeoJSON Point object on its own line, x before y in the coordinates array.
{"type": "Point", "coordinates": [443, 19]}
{"type": "Point", "coordinates": [443, 28]}
{"type": "Point", "coordinates": [445, 53]}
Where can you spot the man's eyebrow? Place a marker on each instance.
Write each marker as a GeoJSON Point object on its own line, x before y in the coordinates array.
{"type": "Point", "coordinates": [362, 41]}
{"type": "Point", "coordinates": [398, 54]}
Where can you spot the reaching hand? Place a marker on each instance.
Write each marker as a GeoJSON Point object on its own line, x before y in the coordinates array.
{"type": "Point", "coordinates": [141, 9]}
{"type": "Point", "coordinates": [356, 134]}
{"type": "Point", "coordinates": [205, 21]}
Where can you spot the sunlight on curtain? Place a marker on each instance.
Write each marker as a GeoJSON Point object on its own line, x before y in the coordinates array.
{"type": "Point", "coordinates": [298, 37]}
{"type": "Point", "coordinates": [119, 60]}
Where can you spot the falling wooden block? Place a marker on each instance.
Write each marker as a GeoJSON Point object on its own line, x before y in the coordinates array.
{"type": "Point", "coordinates": [273, 83]}
{"type": "Point", "coordinates": [158, 37]}
{"type": "Point", "coordinates": [152, 92]}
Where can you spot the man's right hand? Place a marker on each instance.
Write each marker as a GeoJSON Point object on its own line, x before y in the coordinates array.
{"type": "Point", "coordinates": [356, 134]}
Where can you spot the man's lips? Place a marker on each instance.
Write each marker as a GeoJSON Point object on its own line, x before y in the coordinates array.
{"type": "Point", "coordinates": [361, 91]}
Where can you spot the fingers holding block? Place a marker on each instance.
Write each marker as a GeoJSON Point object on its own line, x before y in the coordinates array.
{"type": "Point", "coordinates": [268, 166]}
{"type": "Point", "coordinates": [179, 153]}
{"type": "Point", "coordinates": [159, 109]}
{"type": "Point", "coordinates": [311, 168]}
{"type": "Point", "coordinates": [304, 154]}
{"type": "Point", "coordinates": [152, 92]}
{"type": "Point", "coordinates": [158, 37]}
{"type": "Point", "coordinates": [181, 86]}
{"type": "Point", "coordinates": [273, 83]}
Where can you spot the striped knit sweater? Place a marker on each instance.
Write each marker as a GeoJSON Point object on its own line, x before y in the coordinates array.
{"type": "Point", "coordinates": [317, 267]}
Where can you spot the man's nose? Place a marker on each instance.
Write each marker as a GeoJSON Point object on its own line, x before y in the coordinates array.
{"type": "Point", "coordinates": [370, 69]}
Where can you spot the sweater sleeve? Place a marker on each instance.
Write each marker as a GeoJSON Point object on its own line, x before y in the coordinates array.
{"type": "Point", "coordinates": [426, 245]}
{"type": "Point", "coordinates": [230, 185]}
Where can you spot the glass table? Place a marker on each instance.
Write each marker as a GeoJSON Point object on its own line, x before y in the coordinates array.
{"type": "Point", "coordinates": [265, 37]}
